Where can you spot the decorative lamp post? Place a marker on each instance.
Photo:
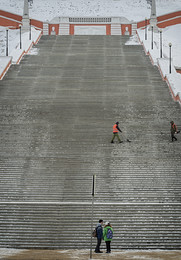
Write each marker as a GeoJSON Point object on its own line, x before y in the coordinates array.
{"type": "Point", "coordinates": [145, 28]}
{"type": "Point", "coordinates": [160, 43]}
{"type": "Point", "coordinates": [30, 30]}
{"type": "Point", "coordinates": [152, 37]}
{"type": "Point", "coordinates": [7, 41]}
{"type": "Point", "coordinates": [170, 58]}
{"type": "Point", "coordinates": [20, 43]}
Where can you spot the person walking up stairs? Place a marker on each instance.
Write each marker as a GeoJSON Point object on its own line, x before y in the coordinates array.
{"type": "Point", "coordinates": [174, 131]}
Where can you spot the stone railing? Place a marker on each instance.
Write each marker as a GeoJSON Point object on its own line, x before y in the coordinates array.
{"type": "Point", "coordinates": [90, 20]}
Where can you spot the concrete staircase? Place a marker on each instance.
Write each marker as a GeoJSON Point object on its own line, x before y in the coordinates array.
{"type": "Point", "coordinates": [57, 111]}
{"type": "Point", "coordinates": [67, 226]}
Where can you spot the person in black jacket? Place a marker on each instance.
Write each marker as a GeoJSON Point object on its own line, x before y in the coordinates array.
{"type": "Point", "coordinates": [99, 232]}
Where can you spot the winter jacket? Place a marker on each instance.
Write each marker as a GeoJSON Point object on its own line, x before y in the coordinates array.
{"type": "Point", "coordinates": [105, 233]}
{"type": "Point", "coordinates": [116, 129]}
{"type": "Point", "coordinates": [173, 128]}
{"type": "Point", "coordinates": [99, 231]}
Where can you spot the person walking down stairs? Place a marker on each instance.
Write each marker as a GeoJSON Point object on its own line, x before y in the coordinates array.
{"type": "Point", "coordinates": [173, 131]}
{"type": "Point", "coordinates": [108, 235]}
{"type": "Point", "coordinates": [116, 130]}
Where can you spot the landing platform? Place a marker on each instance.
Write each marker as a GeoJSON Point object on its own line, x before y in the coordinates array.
{"type": "Point", "coordinates": [84, 255]}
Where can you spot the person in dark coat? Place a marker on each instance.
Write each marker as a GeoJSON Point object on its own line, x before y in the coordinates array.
{"type": "Point", "coordinates": [99, 232]}
{"type": "Point", "coordinates": [173, 131]}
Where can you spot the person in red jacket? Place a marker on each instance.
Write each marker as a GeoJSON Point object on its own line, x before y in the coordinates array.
{"type": "Point", "coordinates": [116, 130]}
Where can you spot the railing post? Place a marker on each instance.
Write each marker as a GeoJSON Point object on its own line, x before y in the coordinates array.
{"type": "Point", "coordinates": [145, 28]}
{"type": "Point", "coordinates": [170, 58]}
{"type": "Point", "coordinates": [30, 31]}
{"type": "Point", "coordinates": [20, 36]}
{"type": "Point", "coordinates": [92, 215]}
{"type": "Point", "coordinates": [160, 43]}
{"type": "Point", "coordinates": [152, 37]}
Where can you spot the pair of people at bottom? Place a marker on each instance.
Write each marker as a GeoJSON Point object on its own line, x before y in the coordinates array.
{"type": "Point", "coordinates": [106, 234]}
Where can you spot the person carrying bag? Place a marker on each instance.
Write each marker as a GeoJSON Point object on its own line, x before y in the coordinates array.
{"type": "Point", "coordinates": [108, 235]}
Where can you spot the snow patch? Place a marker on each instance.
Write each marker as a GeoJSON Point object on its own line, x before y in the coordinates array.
{"type": "Point", "coordinates": [33, 51]}
{"type": "Point", "coordinates": [133, 41]}
{"type": "Point", "coordinates": [4, 61]}
{"type": "Point", "coordinates": [131, 9]}
{"type": "Point", "coordinates": [9, 252]}
{"type": "Point", "coordinates": [169, 35]}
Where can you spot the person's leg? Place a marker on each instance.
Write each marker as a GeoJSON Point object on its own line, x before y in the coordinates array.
{"type": "Point", "coordinates": [173, 137]}
{"type": "Point", "coordinates": [97, 246]}
{"type": "Point", "coordinates": [118, 138]}
{"type": "Point", "coordinates": [110, 246]}
{"type": "Point", "coordinates": [97, 249]}
{"type": "Point", "coordinates": [107, 246]}
{"type": "Point", "coordinates": [113, 138]}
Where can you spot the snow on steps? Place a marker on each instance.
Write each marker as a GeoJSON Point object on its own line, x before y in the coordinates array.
{"type": "Point", "coordinates": [46, 178]}
{"type": "Point", "coordinates": [5, 63]}
{"type": "Point", "coordinates": [16, 54]}
{"type": "Point", "coordinates": [66, 226]}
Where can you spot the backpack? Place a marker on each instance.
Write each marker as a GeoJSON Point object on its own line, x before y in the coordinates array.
{"type": "Point", "coordinates": [109, 234]}
{"type": "Point", "coordinates": [94, 233]}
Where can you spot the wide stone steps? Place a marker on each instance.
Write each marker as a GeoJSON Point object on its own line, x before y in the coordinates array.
{"type": "Point", "coordinates": [69, 226]}
{"type": "Point", "coordinates": [57, 110]}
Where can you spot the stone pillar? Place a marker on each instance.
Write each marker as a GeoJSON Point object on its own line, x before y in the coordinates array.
{"type": "Point", "coordinates": [153, 17]}
{"type": "Point", "coordinates": [25, 20]}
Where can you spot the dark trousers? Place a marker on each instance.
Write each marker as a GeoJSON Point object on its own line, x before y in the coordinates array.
{"type": "Point", "coordinates": [97, 249]}
{"type": "Point", "coordinates": [116, 135]}
{"type": "Point", "coordinates": [108, 246]}
{"type": "Point", "coordinates": [173, 137]}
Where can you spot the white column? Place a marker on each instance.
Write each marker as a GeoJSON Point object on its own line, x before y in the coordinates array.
{"type": "Point", "coordinates": [153, 17]}
{"type": "Point", "coordinates": [25, 20]}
